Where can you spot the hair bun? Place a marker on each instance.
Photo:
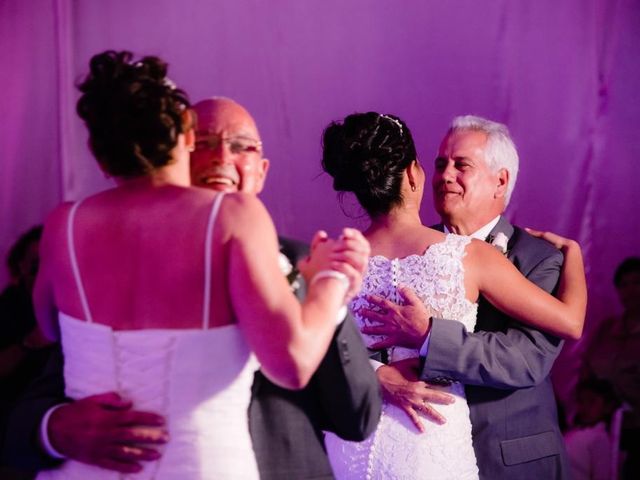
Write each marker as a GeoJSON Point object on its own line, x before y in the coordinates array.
{"type": "Point", "coordinates": [366, 155]}
{"type": "Point", "coordinates": [133, 112]}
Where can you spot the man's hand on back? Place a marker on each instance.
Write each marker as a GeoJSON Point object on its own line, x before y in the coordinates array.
{"type": "Point", "coordinates": [401, 387]}
{"type": "Point", "coordinates": [404, 325]}
{"type": "Point", "coordinates": [103, 430]}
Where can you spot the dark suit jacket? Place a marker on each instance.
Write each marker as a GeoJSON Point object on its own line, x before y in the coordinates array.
{"type": "Point", "coordinates": [343, 397]}
{"type": "Point", "coordinates": [505, 366]}
{"type": "Point", "coordinates": [286, 426]}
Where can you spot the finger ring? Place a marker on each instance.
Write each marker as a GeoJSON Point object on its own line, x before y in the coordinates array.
{"type": "Point", "coordinates": [130, 450]}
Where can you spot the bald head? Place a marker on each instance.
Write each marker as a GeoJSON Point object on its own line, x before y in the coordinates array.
{"type": "Point", "coordinates": [228, 154]}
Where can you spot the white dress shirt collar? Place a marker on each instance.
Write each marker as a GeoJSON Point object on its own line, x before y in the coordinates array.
{"type": "Point", "coordinates": [483, 232]}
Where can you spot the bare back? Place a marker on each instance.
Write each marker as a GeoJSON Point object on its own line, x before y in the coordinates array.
{"type": "Point", "coordinates": [141, 259]}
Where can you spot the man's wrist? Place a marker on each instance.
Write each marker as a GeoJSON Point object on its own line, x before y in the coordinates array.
{"type": "Point", "coordinates": [45, 441]}
{"type": "Point", "coordinates": [375, 364]}
{"type": "Point", "coordinates": [424, 349]}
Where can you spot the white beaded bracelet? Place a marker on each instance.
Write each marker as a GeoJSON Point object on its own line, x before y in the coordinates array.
{"type": "Point", "coordinates": [331, 274]}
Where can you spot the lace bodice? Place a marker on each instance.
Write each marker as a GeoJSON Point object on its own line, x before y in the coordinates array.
{"type": "Point", "coordinates": [436, 276]}
{"type": "Point", "coordinates": [396, 450]}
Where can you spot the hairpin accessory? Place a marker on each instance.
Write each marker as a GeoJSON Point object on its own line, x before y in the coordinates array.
{"type": "Point", "coordinates": [394, 120]}
{"type": "Point", "coordinates": [167, 82]}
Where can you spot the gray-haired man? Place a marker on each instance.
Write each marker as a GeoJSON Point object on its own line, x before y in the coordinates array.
{"type": "Point", "coordinates": [504, 364]}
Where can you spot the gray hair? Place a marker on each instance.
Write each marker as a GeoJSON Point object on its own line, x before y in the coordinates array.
{"type": "Point", "coordinates": [499, 152]}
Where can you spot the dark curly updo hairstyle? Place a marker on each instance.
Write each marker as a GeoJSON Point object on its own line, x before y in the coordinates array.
{"type": "Point", "coordinates": [133, 113]}
{"type": "Point", "coordinates": [367, 154]}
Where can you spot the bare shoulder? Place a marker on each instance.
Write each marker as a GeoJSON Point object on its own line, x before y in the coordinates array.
{"type": "Point", "coordinates": [243, 212]}
{"type": "Point", "coordinates": [435, 235]}
{"type": "Point", "coordinates": [481, 256]}
{"type": "Point", "coordinates": [242, 204]}
{"type": "Point", "coordinates": [478, 248]}
{"type": "Point", "coordinates": [58, 215]}
{"type": "Point", "coordinates": [56, 223]}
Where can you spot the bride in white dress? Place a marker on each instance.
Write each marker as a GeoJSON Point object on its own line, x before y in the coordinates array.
{"type": "Point", "coordinates": [171, 295]}
{"type": "Point", "coordinates": [374, 157]}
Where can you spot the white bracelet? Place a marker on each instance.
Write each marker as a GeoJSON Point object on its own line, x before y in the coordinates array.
{"type": "Point", "coordinates": [44, 434]}
{"type": "Point", "coordinates": [331, 274]}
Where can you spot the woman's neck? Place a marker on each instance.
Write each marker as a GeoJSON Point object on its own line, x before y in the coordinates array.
{"type": "Point", "coordinates": [175, 173]}
{"type": "Point", "coordinates": [399, 219]}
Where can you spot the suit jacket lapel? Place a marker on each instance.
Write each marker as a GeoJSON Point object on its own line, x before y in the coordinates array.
{"type": "Point", "coordinates": [503, 226]}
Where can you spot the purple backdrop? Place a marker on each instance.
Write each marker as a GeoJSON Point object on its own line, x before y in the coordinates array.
{"type": "Point", "coordinates": [562, 75]}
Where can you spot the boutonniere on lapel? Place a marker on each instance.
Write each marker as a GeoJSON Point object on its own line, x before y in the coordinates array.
{"type": "Point", "coordinates": [288, 271]}
{"type": "Point", "coordinates": [500, 241]}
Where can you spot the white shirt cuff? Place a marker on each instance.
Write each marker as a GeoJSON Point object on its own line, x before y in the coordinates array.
{"type": "Point", "coordinates": [44, 434]}
{"type": "Point", "coordinates": [375, 364]}
{"type": "Point", "coordinates": [424, 349]}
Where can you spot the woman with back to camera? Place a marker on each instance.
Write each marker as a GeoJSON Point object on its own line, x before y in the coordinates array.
{"type": "Point", "coordinates": [374, 157]}
{"type": "Point", "coordinates": [168, 294]}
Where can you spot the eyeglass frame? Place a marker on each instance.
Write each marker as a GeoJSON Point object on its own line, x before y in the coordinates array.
{"type": "Point", "coordinates": [213, 140]}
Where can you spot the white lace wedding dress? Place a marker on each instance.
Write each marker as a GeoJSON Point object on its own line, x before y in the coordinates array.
{"type": "Point", "coordinates": [396, 450]}
{"type": "Point", "coordinates": [198, 379]}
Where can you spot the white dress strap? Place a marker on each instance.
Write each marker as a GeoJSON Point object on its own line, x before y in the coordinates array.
{"type": "Point", "coordinates": [74, 262]}
{"type": "Point", "coordinates": [207, 260]}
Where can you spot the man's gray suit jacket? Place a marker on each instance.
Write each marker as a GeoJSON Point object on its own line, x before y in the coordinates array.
{"type": "Point", "coordinates": [505, 367]}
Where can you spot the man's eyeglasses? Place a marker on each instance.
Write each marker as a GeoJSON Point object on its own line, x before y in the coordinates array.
{"type": "Point", "coordinates": [237, 145]}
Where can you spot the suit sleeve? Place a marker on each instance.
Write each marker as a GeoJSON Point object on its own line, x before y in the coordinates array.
{"type": "Point", "coordinates": [346, 386]}
{"type": "Point", "coordinates": [513, 356]}
{"type": "Point", "coordinates": [20, 426]}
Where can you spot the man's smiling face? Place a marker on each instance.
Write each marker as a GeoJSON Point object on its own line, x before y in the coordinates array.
{"type": "Point", "coordinates": [228, 150]}
{"type": "Point", "coordinates": [464, 187]}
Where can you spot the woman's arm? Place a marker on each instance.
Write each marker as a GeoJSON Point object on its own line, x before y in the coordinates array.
{"type": "Point", "coordinates": [289, 338]}
{"type": "Point", "coordinates": [44, 303]}
{"type": "Point", "coordinates": [505, 287]}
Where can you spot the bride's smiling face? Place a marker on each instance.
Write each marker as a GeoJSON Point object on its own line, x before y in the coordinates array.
{"type": "Point", "coordinates": [228, 150]}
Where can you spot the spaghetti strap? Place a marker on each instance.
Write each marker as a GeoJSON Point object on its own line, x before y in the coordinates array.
{"type": "Point", "coordinates": [207, 260]}
{"type": "Point", "coordinates": [74, 262]}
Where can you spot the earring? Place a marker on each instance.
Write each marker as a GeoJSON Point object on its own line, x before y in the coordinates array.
{"type": "Point", "coordinates": [191, 148]}
{"type": "Point", "coordinates": [413, 187]}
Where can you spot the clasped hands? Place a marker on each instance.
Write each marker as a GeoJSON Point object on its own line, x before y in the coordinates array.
{"type": "Point", "coordinates": [345, 258]}
{"type": "Point", "coordinates": [405, 325]}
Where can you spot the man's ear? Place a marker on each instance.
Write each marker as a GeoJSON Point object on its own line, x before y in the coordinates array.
{"type": "Point", "coordinates": [189, 126]}
{"type": "Point", "coordinates": [503, 183]}
{"type": "Point", "coordinates": [264, 168]}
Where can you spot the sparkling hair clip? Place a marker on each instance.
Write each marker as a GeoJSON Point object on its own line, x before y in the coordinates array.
{"type": "Point", "coordinates": [166, 81]}
{"type": "Point", "coordinates": [397, 122]}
